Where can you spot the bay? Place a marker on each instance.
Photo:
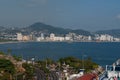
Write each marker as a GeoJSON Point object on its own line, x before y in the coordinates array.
{"type": "Point", "coordinates": [102, 53]}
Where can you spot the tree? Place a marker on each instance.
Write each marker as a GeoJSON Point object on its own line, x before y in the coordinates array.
{"type": "Point", "coordinates": [29, 71]}
{"type": "Point", "coordinates": [18, 58]}
{"type": "Point", "coordinates": [2, 53]}
{"type": "Point", "coordinates": [7, 68]}
{"type": "Point", "coordinates": [77, 63]}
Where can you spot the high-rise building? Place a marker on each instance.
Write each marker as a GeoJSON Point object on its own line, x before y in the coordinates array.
{"type": "Point", "coordinates": [52, 36]}
{"type": "Point", "coordinates": [42, 36]}
{"type": "Point", "coordinates": [19, 36]}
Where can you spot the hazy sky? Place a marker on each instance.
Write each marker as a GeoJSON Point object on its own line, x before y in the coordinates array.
{"type": "Point", "coordinates": [76, 14]}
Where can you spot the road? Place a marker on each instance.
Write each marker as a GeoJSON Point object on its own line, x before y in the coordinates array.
{"type": "Point", "coordinates": [41, 75]}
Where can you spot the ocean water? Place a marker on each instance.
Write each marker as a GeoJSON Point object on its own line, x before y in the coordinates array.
{"type": "Point", "coordinates": [101, 53]}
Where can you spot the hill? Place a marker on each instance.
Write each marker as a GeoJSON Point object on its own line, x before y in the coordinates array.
{"type": "Point", "coordinates": [38, 28]}
{"type": "Point", "coordinates": [44, 28]}
{"type": "Point", "coordinates": [113, 32]}
{"type": "Point", "coordinates": [2, 28]}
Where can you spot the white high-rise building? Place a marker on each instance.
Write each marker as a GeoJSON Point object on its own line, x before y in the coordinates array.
{"type": "Point", "coordinates": [106, 37]}
{"type": "Point", "coordinates": [89, 38]}
{"type": "Point", "coordinates": [19, 36]}
{"type": "Point", "coordinates": [42, 36]}
{"type": "Point", "coordinates": [52, 36]}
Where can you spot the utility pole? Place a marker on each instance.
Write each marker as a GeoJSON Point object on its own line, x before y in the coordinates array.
{"type": "Point", "coordinates": [83, 61]}
{"type": "Point", "coordinates": [83, 66]}
{"type": "Point", "coordinates": [46, 64]}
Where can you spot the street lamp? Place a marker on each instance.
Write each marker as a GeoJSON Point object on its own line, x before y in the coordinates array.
{"type": "Point", "coordinates": [83, 61]}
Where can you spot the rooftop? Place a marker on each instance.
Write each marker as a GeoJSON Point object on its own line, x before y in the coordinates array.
{"type": "Point", "coordinates": [88, 77]}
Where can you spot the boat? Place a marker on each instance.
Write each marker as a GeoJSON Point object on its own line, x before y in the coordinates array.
{"type": "Point", "coordinates": [112, 72]}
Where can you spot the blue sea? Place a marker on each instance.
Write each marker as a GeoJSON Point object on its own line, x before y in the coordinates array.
{"type": "Point", "coordinates": [102, 53]}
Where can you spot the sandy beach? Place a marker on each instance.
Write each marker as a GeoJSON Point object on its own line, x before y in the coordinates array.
{"type": "Point", "coordinates": [10, 42]}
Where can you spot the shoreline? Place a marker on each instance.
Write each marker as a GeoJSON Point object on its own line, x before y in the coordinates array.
{"type": "Point", "coordinates": [9, 42]}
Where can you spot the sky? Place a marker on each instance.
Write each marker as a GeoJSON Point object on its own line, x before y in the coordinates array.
{"type": "Point", "coordinates": [89, 15]}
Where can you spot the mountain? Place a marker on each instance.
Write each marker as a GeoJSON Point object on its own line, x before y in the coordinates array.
{"type": "Point", "coordinates": [2, 28]}
{"type": "Point", "coordinates": [47, 29]}
{"type": "Point", "coordinates": [38, 28]}
{"type": "Point", "coordinates": [113, 32]}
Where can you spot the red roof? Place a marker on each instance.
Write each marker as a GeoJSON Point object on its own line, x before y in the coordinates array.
{"type": "Point", "coordinates": [87, 77]}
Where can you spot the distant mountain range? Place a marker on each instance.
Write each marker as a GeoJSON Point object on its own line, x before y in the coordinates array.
{"type": "Point", "coordinates": [47, 29]}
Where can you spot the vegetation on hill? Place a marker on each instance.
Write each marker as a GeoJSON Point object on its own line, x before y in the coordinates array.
{"type": "Point", "coordinates": [114, 32]}
{"type": "Point", "coordinates": [7, 69]}
{"type": "Point", "coordinates": [50, 29]}
{"type": "Point", "coordinates": [17, 58]}
{"type": "Point", "coordinates": [73, 62]}
{"type": "Point", "coordinates": [29, 73]}
{"type": "Point", "coordinates": [47, 29]}
{"type": "Point", "coordinates": [1, 53]}
{"type": "Point", "coordinates": [12, 69]}
{"type": "Point", "coordinates": [44, 28]}
{"type": "Point", "coordinates": [76, 63]}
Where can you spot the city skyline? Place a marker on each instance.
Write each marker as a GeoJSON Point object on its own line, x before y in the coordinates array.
{"type": "Point", "coordinates": [80, 14]}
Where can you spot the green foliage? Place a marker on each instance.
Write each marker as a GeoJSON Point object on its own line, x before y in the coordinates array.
{"type": "Point", "coordinates": [7, 66]}
{"type": "Point", "coordinates": [77, 63]}
{"type": "Point", "coordinates": [89, 65]}
{"type": "Point", "coordinates": [2, 53]}
{"type": "Point", "coordinates": [7, 69]}
{"type": "Point", "coordinates": [29, 71]}
{"type": "Point", "coordinates": [18, 58]}
{"type": "Point", "coordinates": [41, 63]}
{"type": "Point", "coordinates": [74, 62]}
{"type": "Point", "coordinates": [5, 76]}
{"type": "Point", "coordinates": [49, 61]}
{"type": "Point", "coordinates": [45, 69]}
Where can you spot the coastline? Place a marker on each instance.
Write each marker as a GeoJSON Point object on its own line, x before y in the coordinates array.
{"type": "Point", "coordinates": [9, 42]}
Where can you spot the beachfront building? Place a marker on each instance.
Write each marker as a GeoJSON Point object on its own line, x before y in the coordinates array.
{"type": "Point", "coordinates": [117, 39]}
{"type": "Point", "coordinates": [106, 37]}
{"type": "Point", "coordinates": [67, 38]}
{"type": "Point", "coordinates": [89, 38]}
{"type": "Point", "coordinates": [59, 38]}
{"type": "Point", "coordinates": [56, 38]}
{"type": "Point", "coordinates": [52, 36]}
{"type": "Point", "coordinates": [19, 36]}
{"type": "Point", "coordinates": [42, 36]}
{"type": "Point", "coordinates": [26, 38]}
{"type": "Point", "coordinates": [40, 39]}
